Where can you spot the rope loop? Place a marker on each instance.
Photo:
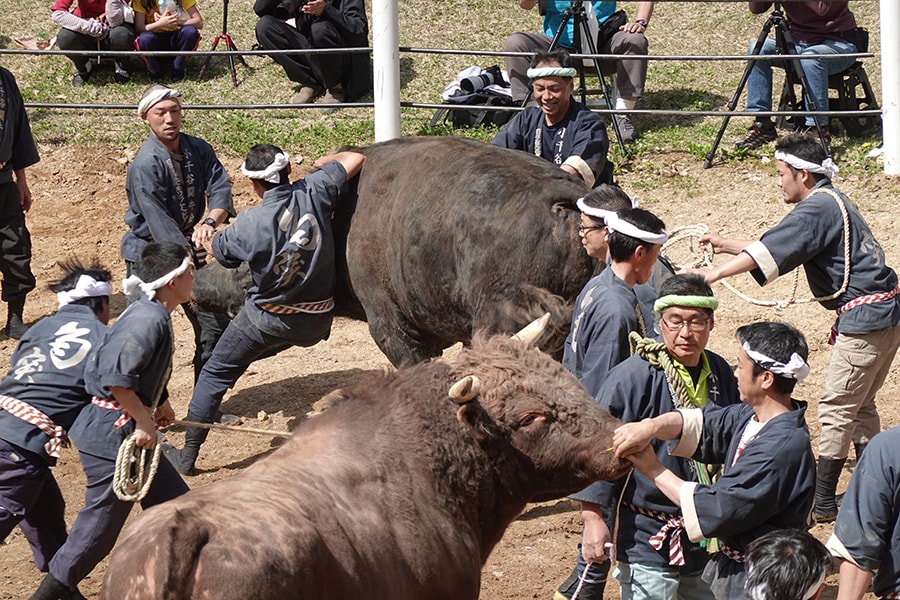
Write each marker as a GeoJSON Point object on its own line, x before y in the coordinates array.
{"type": "Point", "coordinates": [135, 469]}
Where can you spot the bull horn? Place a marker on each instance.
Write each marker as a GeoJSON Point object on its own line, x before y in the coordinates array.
{"type": "Point", "coordinates": [531, 332]}
{"type": "Point", "coordinates": [465, 389]}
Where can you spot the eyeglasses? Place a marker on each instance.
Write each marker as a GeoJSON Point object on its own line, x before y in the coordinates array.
{"type": "Point", "coordinates": [695, 326]}
{"type": "Point", "coordinates": [585, 228]}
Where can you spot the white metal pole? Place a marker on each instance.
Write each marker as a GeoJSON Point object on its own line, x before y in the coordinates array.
{"type": "Point", "coordinates": [386, 58]}
{"type": "Point", "coordinates": [890, 84]}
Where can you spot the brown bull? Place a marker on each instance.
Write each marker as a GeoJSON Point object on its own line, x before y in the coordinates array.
{"type": "Point", "coordinates": [394, 492]}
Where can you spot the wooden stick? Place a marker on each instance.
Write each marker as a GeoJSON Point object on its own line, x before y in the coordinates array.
{"type": "Point", "coordinates": [240, 429]}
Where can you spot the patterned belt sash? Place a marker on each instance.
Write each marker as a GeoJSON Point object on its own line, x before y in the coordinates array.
{"type": "Point", "coordinates": [29, 414]}
{"type": "Point", "coordinates": [311, 308]}
{"type": "Point", "coordinates": [735, 555]}
{"type": "Point", "coordinates": [672, 528]}
{"type": "Point", "coordinates": [112, 405]}
{"type": "Point", "coordinates": [892, 596]}
{"type": "Point", "coordinates": [862, 300]}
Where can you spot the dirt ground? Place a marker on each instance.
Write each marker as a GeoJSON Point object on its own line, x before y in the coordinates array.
{"type": "Point", "coordinates": [79, 202]}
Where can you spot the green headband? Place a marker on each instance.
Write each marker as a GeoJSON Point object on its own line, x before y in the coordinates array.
{"type": "Point", "coordinates": [692, 301]}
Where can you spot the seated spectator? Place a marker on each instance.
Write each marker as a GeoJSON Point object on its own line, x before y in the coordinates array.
{"type": "Point", "coordinates": [786, 564]}
{"type": "Point", "coordinates": [866, 535]}
{"type": "Point", "coordinates": [292, 24]}
{"type": "Point", "coordinates": [87, 28]}
{"type": "Point", "coordinates": [629, 39]}
{"type": "Point", "coordinates": [177, 27]}
{"type": "Point", "coordinates": [559, 129]}
{"type": "Point", "coordinates": [817, 28]}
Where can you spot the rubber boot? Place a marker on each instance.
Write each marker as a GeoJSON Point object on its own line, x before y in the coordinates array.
{"type": "Point", "coordinates": [589, 590]}
{"type": "Point", "coordinates": [15, 327]}
{"type": "Point", "coordinates": [183, 460]}
{"type": "Point", "coordinates": [52, 589]}
{"type": "Point", "coordinates": [859, 447]}
{"type": "Point", "coordinates": [827, 474]}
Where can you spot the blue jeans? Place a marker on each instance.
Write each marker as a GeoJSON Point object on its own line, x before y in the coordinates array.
{"type": "Point", "coordinates": [759, 84]}
{"type": "Point", "coordinates": [642, 582]}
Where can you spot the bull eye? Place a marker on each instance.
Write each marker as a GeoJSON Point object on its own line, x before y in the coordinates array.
{"type": "Point", "coordinates": [527, 420]}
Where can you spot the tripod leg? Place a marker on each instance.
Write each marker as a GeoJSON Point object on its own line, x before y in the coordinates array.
{"type": "Point", "coordinates": [732, 104]}
{"type": "Point", "coordinates": [800, 74]}
{"type": "Point", "coordinates": [240, 57]}
{"type": "Point", "coordinates": [208, 57]}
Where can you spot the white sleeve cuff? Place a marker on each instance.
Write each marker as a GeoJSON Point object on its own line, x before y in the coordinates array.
{"type": "Point", "coordinates": [838, 550]}
{"type": "Point", "coordinates": [764, 260]}
{"type": "Point", "coordinates": [691, 428]}
{"type": "Point", "coordinates": [689, 511]}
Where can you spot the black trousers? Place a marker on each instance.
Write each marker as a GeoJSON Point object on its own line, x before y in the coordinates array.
{"type": "Point", "coordinates": [15, 246]}
{"type": "Point", "coordinates": [323, 70]}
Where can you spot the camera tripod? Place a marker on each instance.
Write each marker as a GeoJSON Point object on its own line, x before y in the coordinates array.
{"type": "Point", "coordinates": [576, 9]}
{"type": "Point", "coordinates": [229, 45]}
{"type": "Point", "coordinates": [784, 44]}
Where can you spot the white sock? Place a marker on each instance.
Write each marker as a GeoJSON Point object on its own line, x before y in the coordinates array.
{"type": "Point", "coordinates": [622, 103]}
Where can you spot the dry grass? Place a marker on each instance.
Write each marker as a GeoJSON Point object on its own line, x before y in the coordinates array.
{"type": "Point", "coordinates": [677, 28]}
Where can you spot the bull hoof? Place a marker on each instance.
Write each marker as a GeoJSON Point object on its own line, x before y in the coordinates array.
{"type": "Point", "coordinates": [182, 464]}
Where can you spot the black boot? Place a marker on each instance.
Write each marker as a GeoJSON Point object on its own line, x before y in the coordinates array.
{"type": "Point", "coordinates": [827, 474]}
{"type": "Point", "coordinates": [860, 447]}
{"type": "Point", "coordinates": [15, 327]}
{"type": "Point", "coordinates": [52, 589]}
{"type": "Point", "coordinates": [183, 460]}
{"type": "Point", "coordinates": [589, 591]}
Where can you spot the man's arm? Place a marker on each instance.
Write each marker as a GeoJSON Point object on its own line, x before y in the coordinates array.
{"type": "Point", "coordinates": [668, 482]}
{"type": "Point", "coordinates": [644, 12]}
{"type": "Point", "coordinates": [145, 426]}
{"type": "Point", "coordinates": [854, 581]}
{"type": "Point", "coordinates": [350, 18]}
{"type": "Point", "coordinates": [22, 188]}
{"type": "Point", "coordinates": [527, 4]}
{"type": "Point", "coordinates": [351, 161]}
{"type": "Point", "coordinates": [634, 437]}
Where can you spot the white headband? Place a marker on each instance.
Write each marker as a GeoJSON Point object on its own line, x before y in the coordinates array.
{"type": "Point", "coordinates": [616, 223]}
{"type": "Point", "coordinates": [157, 96]}
{"type": "Point", "coordinates": [85, 287]}
{"type": "Point", "coordinates": [270, 173]}
{"type": "Point", "coordinates": [796, 368]}
{"type": "Point", "coordinates": [592, 211]}
{"type": "Point", "coordinates": [551, 72]}
{"type": "Point", "coordinates": [827, 168]}
{"type": "Point", "coordinates": [134, 282]}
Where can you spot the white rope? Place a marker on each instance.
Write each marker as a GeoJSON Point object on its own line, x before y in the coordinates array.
{"type": "Point", "coordinates": [703, 258]}
{"type": "Point", "coordinates": [135, 469]}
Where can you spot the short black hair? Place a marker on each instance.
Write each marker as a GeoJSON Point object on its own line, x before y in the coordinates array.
{"type": "Point", "coordinates": [778, 341]}
{"type": "Point", "coordinates": [606, 196]}
{"type": "Point", "coordinates": [72, 270]}
{"type": "Point", "coordinates": [259, 157]}
{"type": "Point", "coordinates": [158, 259]}
{"type": "Point", "coordinates": [804, 146]}
{"type": "Point", "coordinates": [684, 284]}
{"type": "Point", "coordinates": [784, 564]}
{"type": "Point", "coordinates": [622, 246]}
{"type": "Point", "coordinates": [559, 56]}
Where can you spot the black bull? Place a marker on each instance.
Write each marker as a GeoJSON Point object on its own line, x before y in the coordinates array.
{"type": "Point", "coordinates": [440, 237]}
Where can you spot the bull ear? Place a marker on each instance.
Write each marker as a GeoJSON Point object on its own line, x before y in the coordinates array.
{"type": "Point", "coordinates": [476, 421]}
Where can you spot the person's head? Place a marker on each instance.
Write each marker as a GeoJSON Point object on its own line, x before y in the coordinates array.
{"type": "Point", "coordinates": [771, 361]}
{"type": "Point", "coordinates": [160, 109]}
{"type": "Point", "coordinates": [164, 270]}
{"type": "Point", "coordinates": [635, 237]}
{"type": "Point", "coordinates": [801, 162]}
{"type": "Point", "coordinates": [84, 286]}
{"type": "Point", "coordinates": [552, 76]}
{"type": "Point", "coordinates": [266, 166]}
{"type": "Point", "coordinates": [786, 564]}
{"type": "Point", "coordinates": [595, 207]}
{"type": "Point", "coordinates": [685, 307]}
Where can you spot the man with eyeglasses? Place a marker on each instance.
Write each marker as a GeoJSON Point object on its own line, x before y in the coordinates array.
{"type": "Point", "coordinates": [656, 560]}
{"type": "Point", "coordinates": [846, 271]}
{"type": "Point", "coordinates": [769, 470]}
{"type": "Point", "coordinates": [606, 312]}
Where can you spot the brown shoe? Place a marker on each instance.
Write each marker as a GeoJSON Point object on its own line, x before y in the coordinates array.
{"type": "Point", "coordinates": [306, 94]}
{"type": "Point", "coordinates": [757, 135]}
{"type": "Point", "coordinates": [332, 96]}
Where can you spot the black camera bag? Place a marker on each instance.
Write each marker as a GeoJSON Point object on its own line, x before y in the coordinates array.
{"type": "Point", "coordinates": [477, 115]}
{"type": "Point", "coordinates": [610, 27]}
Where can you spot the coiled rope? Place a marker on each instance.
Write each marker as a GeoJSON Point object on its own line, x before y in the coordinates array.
{"type": "Point", "coordinates": [703, 258]}
{"type": "Point", "coordinates": [135, 469]}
